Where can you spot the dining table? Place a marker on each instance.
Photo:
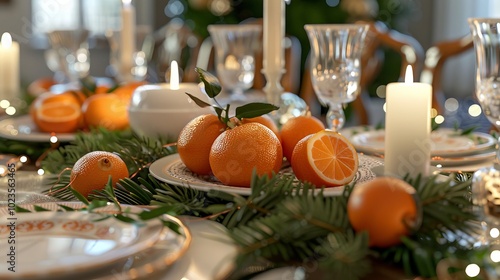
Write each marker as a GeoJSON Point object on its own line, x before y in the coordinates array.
{"type": "Point", "coordinates": [204, 249]}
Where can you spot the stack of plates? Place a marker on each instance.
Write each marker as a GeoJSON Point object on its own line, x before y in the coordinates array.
{"type": "Point", "coordinates": [67, 244]}
{"type": "Point", "coordinates": [450, 150]}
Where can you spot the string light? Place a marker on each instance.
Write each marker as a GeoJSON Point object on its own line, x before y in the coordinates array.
{"type": "Point", "coordinates": [53, 139]}
{"type": "Point", "coordinates": [23, 159]}
{"type": "Point", "coordinates": [40, 171]}
{"type": "Point", "coordinates": [3, 170]}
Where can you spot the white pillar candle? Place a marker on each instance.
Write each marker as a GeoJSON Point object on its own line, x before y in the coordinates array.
{"type": "Point", "coordinates": [407, 128]}
{"type": "Point", "coordinates": [9, 67]}
{"type": "Point", "coordinates": [127, 37]}
{"type": "Point", "coordinates": [273, 35]}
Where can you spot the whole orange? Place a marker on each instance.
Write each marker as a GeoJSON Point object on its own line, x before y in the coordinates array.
{"type": "Point", "coordinates": [384, 207]}
{"type": "Point", "coordinates": [297, 128]}
{"type": "Point", "coordinates": [266, 121]}
{"type": "Point", "coordinates": [59, 113]}
{"type": "Point", "coordinates": [195, 141]}
{"type": "Point", "coordinates": [325, 158]}
{"type": "Point", "coordinates": [125, 91]}
{"type": "Point", "coordinates": [105, 110]}
{"type": "Point", "coordinates": [40, 86]}
{"type": "Point", "coordinates": [92, 171]}
{"type": "Point", "coordinates": [238, 151]}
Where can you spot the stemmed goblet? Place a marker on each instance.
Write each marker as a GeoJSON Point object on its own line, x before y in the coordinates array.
{"type": "Point", "coordinates": [486, 181]}
{"type": "Point", "coordinates": [235, 48]}
{"type": "Point", "coordinates": [335, 63]}
{"type": "Point", "coordinates": [72, 51]}
{"type": "Point", "coordinates": [486, 38]}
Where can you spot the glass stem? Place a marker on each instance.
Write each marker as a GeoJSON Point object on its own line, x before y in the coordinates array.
{"type": "Point", "coordinates": [335, 117]}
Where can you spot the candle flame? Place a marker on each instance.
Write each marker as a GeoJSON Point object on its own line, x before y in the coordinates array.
{"type": "Point", "coordinates": [409, 75]}
{"type": "Point", "coordinates": [126, 2]}
{"type": "Point", "coordinates": [174, 75]}
{"type": "Point", "coordinates": [6, 40]}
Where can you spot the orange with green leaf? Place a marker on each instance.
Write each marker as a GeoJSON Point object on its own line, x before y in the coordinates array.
{"type": "Point", "coordinates": [239, 144]}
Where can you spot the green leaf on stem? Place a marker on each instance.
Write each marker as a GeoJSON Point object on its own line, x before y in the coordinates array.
{"type": "Point", "coordinates": [198, 101]}
{"type": "Point", "coordinates": [212, 85]}
{"type": "Point", "coordinates": [252, 110]}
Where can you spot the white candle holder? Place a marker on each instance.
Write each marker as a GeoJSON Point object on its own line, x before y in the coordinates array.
{"type": "Point", "coordinates": [160, 111]}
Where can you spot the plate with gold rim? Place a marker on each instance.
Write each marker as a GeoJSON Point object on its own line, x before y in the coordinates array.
{"type": "Point", "coordinates": [23, 128]}
{"type": "Point", "coordinates": [63, 244]}
{"type": "Point", "coordinates": [445, 142]}
{"type": "Point", "coordinates": [170, 169]}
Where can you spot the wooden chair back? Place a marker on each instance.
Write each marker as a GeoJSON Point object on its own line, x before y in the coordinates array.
{"type": "Point", "coordinates": [435, 58]}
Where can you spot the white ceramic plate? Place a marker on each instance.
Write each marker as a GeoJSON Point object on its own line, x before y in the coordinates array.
{"type": "Point", "coordinates": [63, 244]}
{"type": "Point", "coordinates": [24, 129]}
{"type": "Point", "coordinates": [445, 142]}
{"type": "Point", "coordinates": [170, 169]}
{"type": "Point", "coordinates": [486, 156]}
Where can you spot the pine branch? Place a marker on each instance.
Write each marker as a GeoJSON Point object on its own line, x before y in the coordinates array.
{"type": "Point", "coordinates": [345, 255]}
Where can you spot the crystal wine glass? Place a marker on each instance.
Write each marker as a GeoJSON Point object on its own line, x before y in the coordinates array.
{"type": "Point", "coordinates": [335, 63]}
{"type": "Point", "coordinates": [72, 50]}
{"type": "Point", "coordinates": [486, 38]}
{"type": "Point", "coordinates": [235, 48]}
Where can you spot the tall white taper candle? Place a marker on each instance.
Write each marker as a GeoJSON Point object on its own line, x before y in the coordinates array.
{"type": "Point", "coordinates": [127, 37]}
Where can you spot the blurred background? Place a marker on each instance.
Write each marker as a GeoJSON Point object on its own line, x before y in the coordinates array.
{"type": "Point", "coordinates": [427, 21]}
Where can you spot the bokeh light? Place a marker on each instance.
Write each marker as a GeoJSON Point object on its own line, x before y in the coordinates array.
{"type": "Point", "coordinates": [494, 232]}
{"type": "Point", "coordinates": [451, 104]}
{"type": "Point", "coordinates": [40, 171]}
{"type": "Point", "coordinates": [495, 256]}
{"type": "Point", "coordinates": [472, 270]}
{"type": "Point", "coordinates": [381, 91]}
{"type": "Point", "coordinates": [475, 110]}
{"type": "Point", "coordinates": [53, 139]}
{"type": "Point", "coordinates": [434, 112]}
{"type": "Point", "coordinates": [439, 119]}
{"type": "Point", "coordinates": [333, 3]}
{"type": "Point", "coordinates": [4, 104]}
{"type": "Point", "coordinates": [23, 159]}
{"type": "Point", "coordinates": [10, 111]}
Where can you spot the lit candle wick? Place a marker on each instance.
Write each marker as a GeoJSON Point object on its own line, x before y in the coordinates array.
{"type": "Point", "coordinates": [409, 75]}
{"type": "Point", "coordinates": [174, 75]}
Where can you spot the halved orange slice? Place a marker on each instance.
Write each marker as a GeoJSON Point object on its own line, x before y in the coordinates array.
{"type": "Point", "coordinates": [325, 158]}
{"type": "Point", "coordinates": [58, 117]}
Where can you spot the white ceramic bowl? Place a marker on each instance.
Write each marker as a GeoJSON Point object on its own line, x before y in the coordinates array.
{"type": "Point", "coordinates": [158, 111]}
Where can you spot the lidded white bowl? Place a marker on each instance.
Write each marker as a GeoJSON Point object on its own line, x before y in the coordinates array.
{"type": "Point", "coordinates": [156, 110]}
